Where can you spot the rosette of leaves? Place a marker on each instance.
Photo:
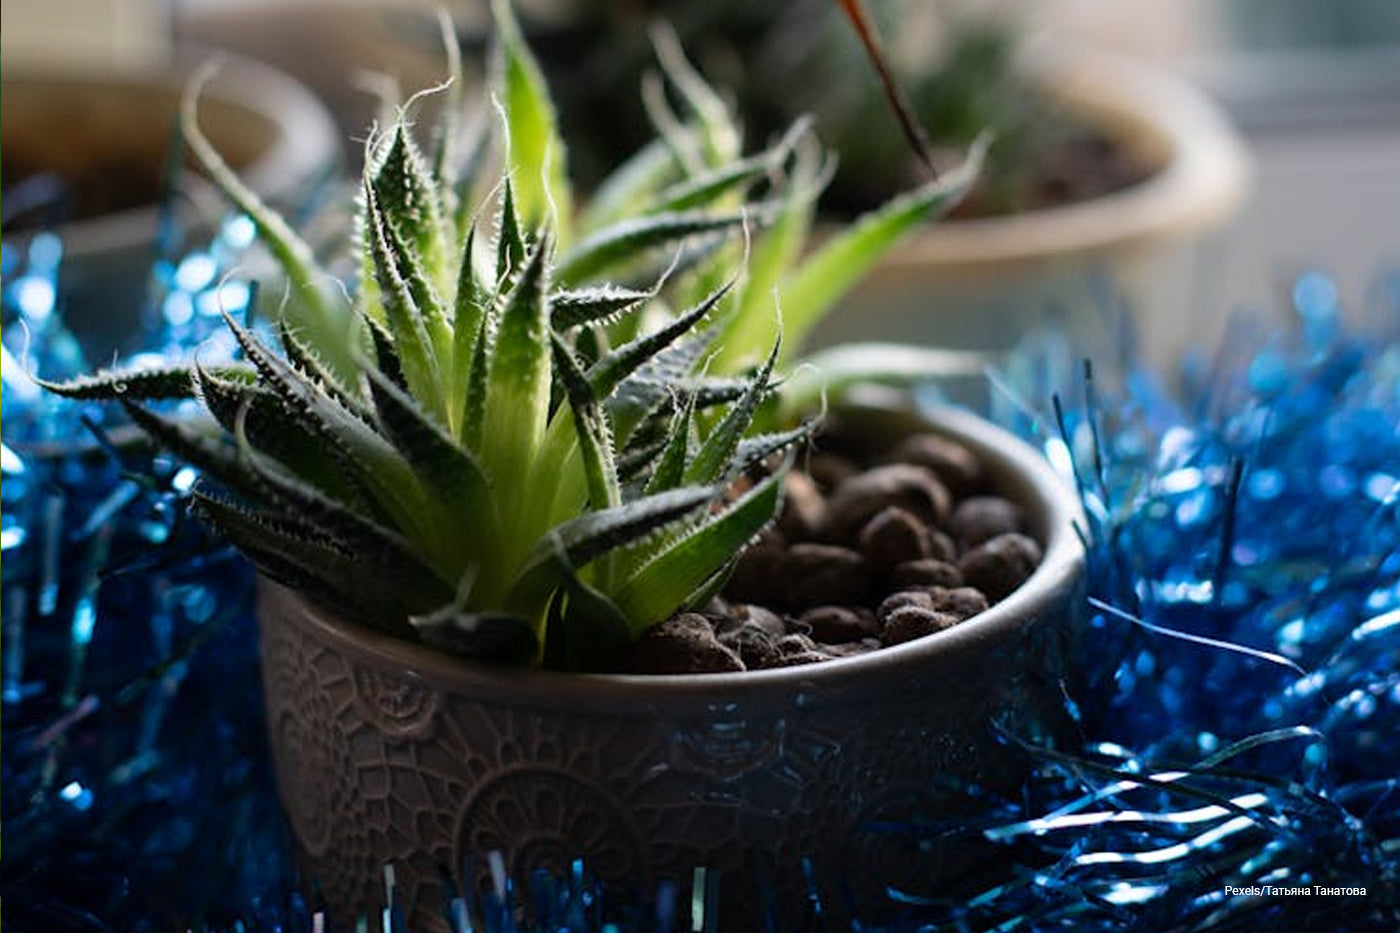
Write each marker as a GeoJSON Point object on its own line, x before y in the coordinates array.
{"type": "Point", "coordinates": [517, 436]}
{"type": "Point", "coordinates": [478, 479]}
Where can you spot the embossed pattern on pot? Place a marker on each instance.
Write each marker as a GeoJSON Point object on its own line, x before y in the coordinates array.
{"type": "Point", "coordinates": [646, 778]}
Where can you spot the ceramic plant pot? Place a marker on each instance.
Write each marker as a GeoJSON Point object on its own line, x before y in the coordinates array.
{"type": "Point", "coordinates": [111, 129]}
{"type": "Point", "coordinates": [389, 753]}
{"type": "Point", "coordinates": [990, 284]}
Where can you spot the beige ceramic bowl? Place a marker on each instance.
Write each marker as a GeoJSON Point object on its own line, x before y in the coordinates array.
{"type": "Point", "coordinates": [989, 284]}
{"type": "Point", "coordinates": [271, 129]}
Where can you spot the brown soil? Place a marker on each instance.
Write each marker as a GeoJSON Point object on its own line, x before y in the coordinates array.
{"type": "Point", "coordinates": [868, 552]}
{"type": "Point", "coordinates": [1078, 169]}
{"type": "Point", "coordinates": [1079, 165]}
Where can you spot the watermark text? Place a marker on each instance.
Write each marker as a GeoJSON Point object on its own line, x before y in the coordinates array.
{"type": "Point", "coordinates": [1299, 890]}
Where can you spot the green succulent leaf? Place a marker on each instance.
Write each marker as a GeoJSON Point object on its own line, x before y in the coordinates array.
{"type": "Point", "coordinates": [714, 461]}
{"type": "Point", "coordinates": [419, 279]}
{"type": "Point", "coordinates": [597, 305]}
{"type": "Point", "coordinates": [578, 541]}
{"type": "Point", "coordinates": [664, 377]}
{"type": "Point", "coordinates": [364, 453]}
{"type": "Point", "coordinates": [313, 306]}
{"type": "Point", "coordinates": [710, 588]}
{"type": "Point", "coordinates": [386, 355]}
{"type": "Point", "coordinates": [706, 188]}
{"type": "Point", "coordinates": [492, 637]}
{"type": "Point", "coordinates": [510, 238]}
{"type": "Point", "coordinates": [145, 385]}
{"type": "Point", "coordinates": [675, 455]}
{"type": "Point", "coordinates": [638, 400]}
{"type": "Point", "coordinates": [306, 361]}
{"type": "Point", "coordinates": [607, 374]}
{"type": "Point", "coordinates": [593, 633]}
{"type": "Point", "coordinates": [451, 475]}
{"type": "Point", "coordinates": [640, 455]}
{"type": "Point", "coordinates": [519, 380]}
{"type": "Point", "coordinates": [228, 400]}
{"type": "Point", "coordinates": [714, 391]}
{"type": "Point", "coordinates": [272, 428]}
{"type": "Point", "coordinates": [413, 344]}
{"type": "Point", "coordinates": [825, 276]}
{"type": "Point", "coordinates": [474, 405]}
{"type": "Point", "coordinates": [836, 369]}
{"type": "Point", "coordinates": [405, 191]}
{"type": "Point", "coordinates": [469, 312]}
{"type": "Point", "coordinates": [373, 544]}
{"type": "Point", "coordinates": [718, 130]}
{"type": "Point", "coordinates": [536, 151]}
{"type": "Point", "coordinates": [620, 244]}
{"type": "Point", "coordinates": [755, 317]}
{"type": "Point", "coordinates": [595, 436]}
{"type": "Point", "coordinates": [755, 450]}
{"type": "Point", "coordinates": [663, 584]}
{"type": "Point", "coordinates": [238, 520]}
{"type": "Point", "coordinates": [679, 362]}
{"type": "Point", "coordinates": [304, 560]}
{"type": "Point", "coordinates": [681, 139]}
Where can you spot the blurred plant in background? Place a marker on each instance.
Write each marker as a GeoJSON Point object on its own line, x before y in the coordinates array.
{"type": "Point", "coordinates": [959, 64]}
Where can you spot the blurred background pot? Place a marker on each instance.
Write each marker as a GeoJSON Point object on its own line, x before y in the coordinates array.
{"type": "Point", "coordinates": [88, 148]}
{"type": "Point", "coordinates": [1050, 281]}
{"type": "Point", "coordinates": [388, 753]}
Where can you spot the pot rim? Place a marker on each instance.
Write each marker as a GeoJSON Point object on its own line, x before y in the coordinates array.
{"type": "Point", "coordinates": [1050, 502]}
{"type": "Point", "coordinates": [305, 141]}
{"type": "Point", "coordinates": [1202, 179]}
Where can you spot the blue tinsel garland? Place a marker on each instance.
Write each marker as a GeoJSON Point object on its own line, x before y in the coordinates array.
{"type": "Point", "coordinates": [1239, 719]}
{"type": "Point", "coordinates": [1245, 692]}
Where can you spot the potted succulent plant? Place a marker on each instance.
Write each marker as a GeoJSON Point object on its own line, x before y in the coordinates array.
{"type": "Point", "coordinates": [512, 470]}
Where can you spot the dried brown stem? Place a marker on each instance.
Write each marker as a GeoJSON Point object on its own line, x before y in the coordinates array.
{"type": "Point", "coordinates": [859, 16]}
